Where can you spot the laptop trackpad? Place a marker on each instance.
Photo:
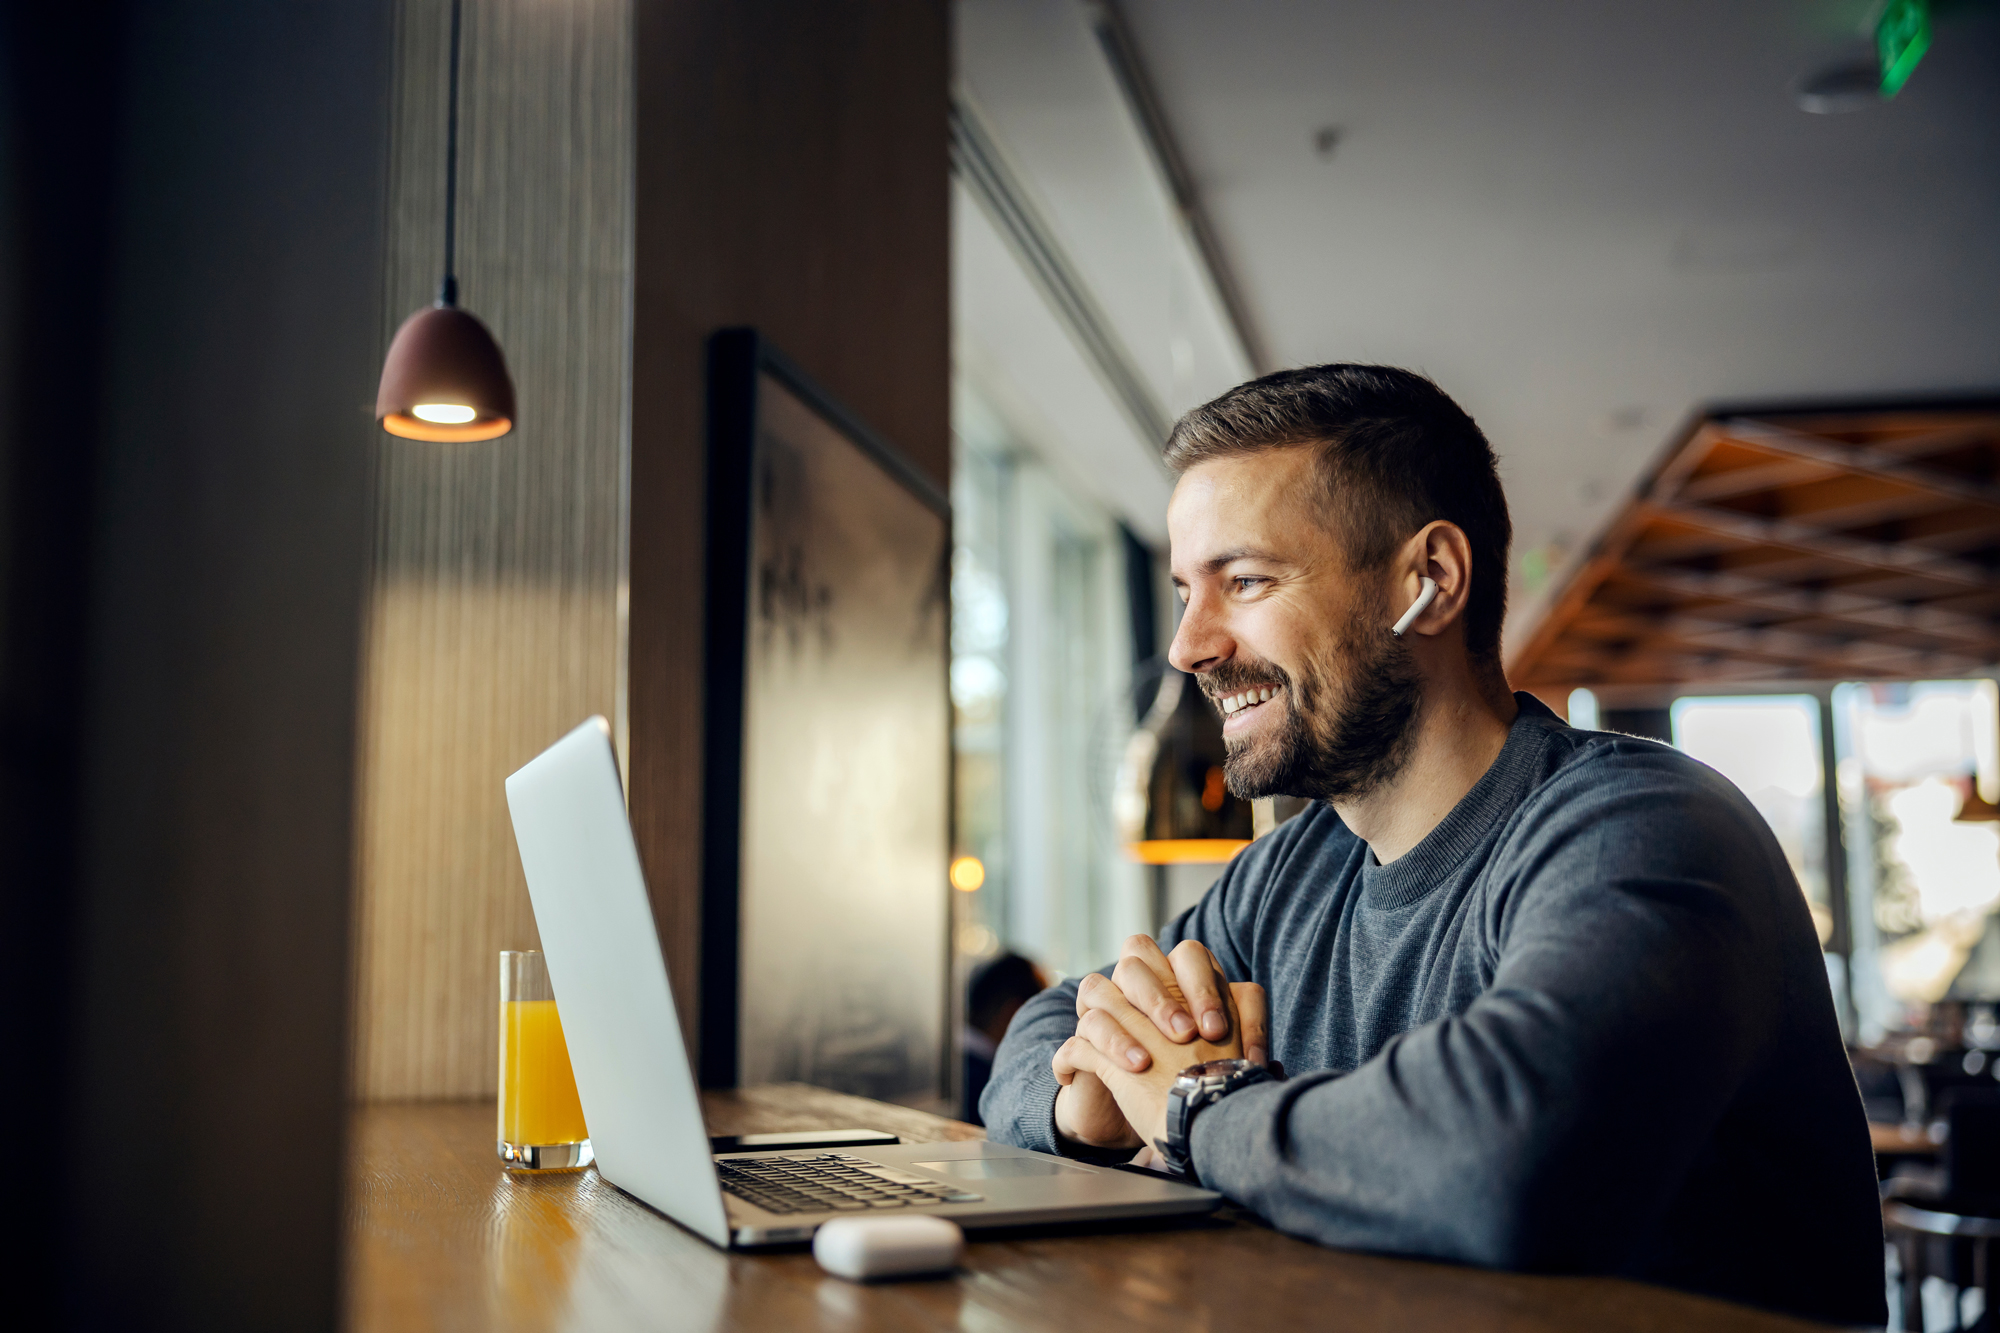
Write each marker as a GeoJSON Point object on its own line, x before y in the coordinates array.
{"type": "Point", "coordinates": [990, 1168]}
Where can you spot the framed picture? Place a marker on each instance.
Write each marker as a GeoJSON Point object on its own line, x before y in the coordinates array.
{"type": "Point", "coordinates": [825, 904]}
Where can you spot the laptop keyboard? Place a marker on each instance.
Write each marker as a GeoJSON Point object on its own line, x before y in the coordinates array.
{"type": "Point", "coordinates": [831, 1182]}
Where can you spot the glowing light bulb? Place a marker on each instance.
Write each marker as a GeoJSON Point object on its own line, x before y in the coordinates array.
{"type": "Point", "coordinates": [443, 414]}
{"type": "Point", "coordinates": [967, 874]}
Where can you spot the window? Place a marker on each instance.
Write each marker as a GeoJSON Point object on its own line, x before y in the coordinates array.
{"type": "Point", "coordinates": [1769, 746]}
{"type": "Point", "coordinates": [1918, 779]}
{"type": "Point", "coordinates": [978, 701]}
{"type": "Point", "coordinates": [1041, 679]}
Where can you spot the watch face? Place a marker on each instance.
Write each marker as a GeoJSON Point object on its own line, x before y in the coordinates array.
{"type": "Point", "coordinates": [1219, 1068]}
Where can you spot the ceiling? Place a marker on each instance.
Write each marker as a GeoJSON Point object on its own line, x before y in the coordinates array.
{"type": "Point", "coordinates": [1080, 193]}
{"type": "Point", "coordinates": [1586, 222]}
{"type": "Point", "coordinates": [1790, 546]}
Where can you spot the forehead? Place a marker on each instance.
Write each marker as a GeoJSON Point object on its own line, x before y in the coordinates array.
{"type": "Point", "coordinates": [1268, 501]}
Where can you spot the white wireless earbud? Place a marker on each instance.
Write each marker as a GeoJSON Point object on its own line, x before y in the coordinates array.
{"type": "Point", "coordinates": [1424, 599]}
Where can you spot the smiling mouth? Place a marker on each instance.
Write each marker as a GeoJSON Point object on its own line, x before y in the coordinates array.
{"type": "Point", "coordinates": [1235, 705]}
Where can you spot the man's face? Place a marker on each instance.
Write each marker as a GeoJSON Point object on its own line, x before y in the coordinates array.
{"type": "Point", "coordinates": [1289, 642]}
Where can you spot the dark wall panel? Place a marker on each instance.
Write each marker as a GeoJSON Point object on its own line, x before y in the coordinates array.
{"type": "Point", "coordinates": [202, 1132]}
{"type": "Point", "coordinates": [792, 175]}
{"type": "Point", "coordinates": [61, 109]}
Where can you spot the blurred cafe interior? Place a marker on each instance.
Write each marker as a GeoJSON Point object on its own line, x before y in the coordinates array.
{"type": "Point", "coordinates": [1720, 282]}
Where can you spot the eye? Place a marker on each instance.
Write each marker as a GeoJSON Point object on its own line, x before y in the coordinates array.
{"type": "Point", "coordinates": [1181, 591]}
{"type": "Point", "coordinates": [1247, 582]}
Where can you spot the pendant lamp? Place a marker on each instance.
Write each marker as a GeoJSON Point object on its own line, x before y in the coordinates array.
{"type": "Point", "coordinates": [1169, 800]}
{"type": "Point", "coordinates": [444, 378]}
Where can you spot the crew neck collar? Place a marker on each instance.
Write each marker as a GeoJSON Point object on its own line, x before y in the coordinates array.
{"type": "Point", "coordinates": [1499, 790]}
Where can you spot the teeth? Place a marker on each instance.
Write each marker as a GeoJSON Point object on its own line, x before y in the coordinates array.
{"type": "Point", "coordinates": [1236, 703]}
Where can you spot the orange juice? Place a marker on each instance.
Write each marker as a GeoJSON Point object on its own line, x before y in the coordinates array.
{"type": "Point", "coordinates": [538, 1103]}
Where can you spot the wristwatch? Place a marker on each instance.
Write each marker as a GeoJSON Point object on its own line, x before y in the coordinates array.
{"type": "Point", "coordinates": [1196, 1087]}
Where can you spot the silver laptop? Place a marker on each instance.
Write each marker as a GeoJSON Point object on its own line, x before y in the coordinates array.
{"type": "Point", "coordinates": [638, 1090]}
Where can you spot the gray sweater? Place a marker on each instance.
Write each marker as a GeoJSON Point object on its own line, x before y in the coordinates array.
{"type": "Point", "coordinates": [1583, 1026]}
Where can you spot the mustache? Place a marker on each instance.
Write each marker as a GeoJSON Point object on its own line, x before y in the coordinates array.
{"type": "Point", "coordinates": [1232, 676]}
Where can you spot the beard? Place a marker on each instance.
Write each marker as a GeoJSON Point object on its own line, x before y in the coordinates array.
{"type": "Point", "coordinates": [1350, 717]}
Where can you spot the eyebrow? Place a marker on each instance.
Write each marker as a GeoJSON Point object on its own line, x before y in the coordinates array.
{"type": "Point", "coordinates": [1217, 563]}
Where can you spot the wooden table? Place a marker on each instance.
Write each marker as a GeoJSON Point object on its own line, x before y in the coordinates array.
{"type": "Point", "coordinates": [440, 1238]}
{"type": "Point", "coordinates": [1903, 1140]}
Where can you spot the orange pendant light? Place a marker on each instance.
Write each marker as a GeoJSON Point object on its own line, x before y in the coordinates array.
{"type": "Point", "coordinates": [444, 378]}
{"type": "Point", "coordinates": [1170, 801]}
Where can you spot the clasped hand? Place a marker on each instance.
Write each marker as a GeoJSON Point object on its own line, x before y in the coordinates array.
{"type": "Point", "coordinates": [1157, 1015]}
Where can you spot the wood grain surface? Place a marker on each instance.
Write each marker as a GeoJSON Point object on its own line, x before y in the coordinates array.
{"type": "Point", "coordinates": [493, 607]}
{"type": "Point", "coordinates": [791, 161]}
{"type": "Point", "coordinates": [441, 1238]}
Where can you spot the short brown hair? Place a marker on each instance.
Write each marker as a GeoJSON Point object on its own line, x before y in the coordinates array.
{"type": "Point", "coordinates": [1395, 452]}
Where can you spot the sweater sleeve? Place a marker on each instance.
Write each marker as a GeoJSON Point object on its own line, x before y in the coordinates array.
{"type": "Point", "coordinates": [1632, 922]}
{"type": "Point", "coordinates": [1019, 1104]}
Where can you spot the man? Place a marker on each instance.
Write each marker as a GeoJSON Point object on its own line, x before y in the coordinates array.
{"type": "Point", "coordinates": [1550, 999]}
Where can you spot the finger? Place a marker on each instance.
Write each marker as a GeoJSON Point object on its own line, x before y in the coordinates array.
{"type": "Point", "coordinates": [1096, 995]}
{"type": "Point", "coordinates": [1201, 980]}
{"type": "Point", "coordinates": [1073, 1057]}
{"type": "Point", "coordinates": [1112, 1041]}
{"type": "Point", "coordinates": [1142, 987]}
{"type": "Point", "coordinates": [1145, 952]}
{"type": "Point", "coordinates": [1251, 1020]}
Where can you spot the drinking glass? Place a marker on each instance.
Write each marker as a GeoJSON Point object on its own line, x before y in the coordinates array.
{"type": "Point", "coordinates": [541, 1120]}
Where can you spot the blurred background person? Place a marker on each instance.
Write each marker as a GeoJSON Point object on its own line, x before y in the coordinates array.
{"type": "Point", "coordinates": [995, 994]}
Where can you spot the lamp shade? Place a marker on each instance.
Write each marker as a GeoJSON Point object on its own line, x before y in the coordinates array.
{"type": "Point", "coordinates": [1170, 802]}
{"type": "Point", "coordinates": [445, 379]}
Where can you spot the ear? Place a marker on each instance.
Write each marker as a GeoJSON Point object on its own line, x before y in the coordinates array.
{"type": "Point", "coordinates": [1438, 551]}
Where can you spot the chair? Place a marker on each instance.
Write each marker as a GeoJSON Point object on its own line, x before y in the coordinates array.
{"type": "Point", "coordinates": [1946, 1228]}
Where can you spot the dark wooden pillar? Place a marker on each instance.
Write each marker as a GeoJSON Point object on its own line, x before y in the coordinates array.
{"type": "Point", "coordinates": [192, 331]}
{"type": "Point", "coordinates": [792, 176]}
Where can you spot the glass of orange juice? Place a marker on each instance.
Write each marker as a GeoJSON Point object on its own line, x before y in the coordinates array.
{"type": "Point", "coordinates": [541, 1120]}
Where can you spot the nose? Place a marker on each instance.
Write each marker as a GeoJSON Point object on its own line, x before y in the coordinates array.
{"type": "Point", "coordinates": [1202, 642]}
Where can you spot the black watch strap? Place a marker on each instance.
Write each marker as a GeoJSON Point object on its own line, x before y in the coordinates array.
{"type": "Point", "coordinates": [1177, 1148]}
{"type": "Point", "coordinates": [1198, 1086]}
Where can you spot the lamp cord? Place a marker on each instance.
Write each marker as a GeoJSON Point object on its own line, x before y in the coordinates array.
{"type": "Point", "coordinates": [448, 289]}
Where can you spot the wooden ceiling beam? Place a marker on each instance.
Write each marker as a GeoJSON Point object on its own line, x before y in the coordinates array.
{"type": "Point", "coordinates": [1859, 609]}
{"type": "Point", "coordinates": [1673, 652]}
{"type": "Point", "coordinates": [1823, 655]}
{"type": "Point", "coordinates": [1950, 531]}
{"type": "Point", "coordinates": [1903, 436]}
{"type": "Point", "coordinates": [1569, 669]}
{"type": "Point", "coordinates": [1786, 567]}
{"type": "Point", "coordinates": [1808, 539]}
{"type": "Point", "coordinates": [1860, 460]}
{"type": "Point", "coordinates": [1749, 481]}
{"type": "Point", "coordinates": [1915, 513]}
{"type": "Point", "coordinates": [1671, 660]}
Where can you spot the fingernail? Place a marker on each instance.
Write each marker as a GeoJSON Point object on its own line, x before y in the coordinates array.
{"type": "Point", "coordinates": [1212, 1024]}
{"type": "Point", "coordinates": [1259, 1056]}
{"type": "Point", "coordinates": [1183, 1026]}
{"type": "Point", "coordinates": [1137, 1059]}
